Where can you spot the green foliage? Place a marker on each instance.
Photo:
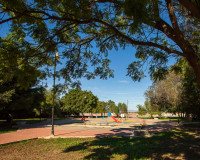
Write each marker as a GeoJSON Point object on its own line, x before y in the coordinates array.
{"type": "Point", "coordinates": [142, 11]}
{"type": "Point", "coordinates": [38, 28]}
{"type": "Point", "coordinates": [190, 94]}
{"type": "Point", "coordinates": [101, 107]}
{"type": "Point", "coordinates": [17, 76]}
{"type": "Point", "coordinates": [22, 101]}
{"type": "Point", "coordinates": [19, 90]}
{"type": "Point", "coordinates": [14, 63]}
{"type": "Point", "coordinates": [112, 107]}
{"type": "Point", "coordinates": [135, 72]}
{"type": "Point", "coordinates": [77, 101]}
{"type": "Point", "coordinates": [5, 94]}
{"type": "Point", "coordinates": [122, 107]}
{"type": "Point", "coordinates": [141, 110]}
{"type": "Point", "coordinates": [164, 95]}
{"type": "Point", "coordinates": [150, 108]}
{"type": "Point", "coordinates": [45, 107]}
{"type": "Point", "coordinates": [41, 26]}
{"type": "Point", "coordinates": [177, 93]}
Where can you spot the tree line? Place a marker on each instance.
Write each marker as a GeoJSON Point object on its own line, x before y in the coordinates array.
{"type": "Point", "coordinates": [178, 93]}
{"type": "Point", "coordinates": [36, 101]}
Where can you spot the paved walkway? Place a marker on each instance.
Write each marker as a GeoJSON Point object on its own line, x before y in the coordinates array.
{"type": "Point", "coordinates": [68, 130]}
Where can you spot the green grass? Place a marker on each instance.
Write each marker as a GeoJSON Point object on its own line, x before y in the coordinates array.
{"type": "Point", "coordinates": [7, 129]}
{"type": "Point", "coordinates": [29, 120]}
{"type": "Point", "coordinates": [175, 119]}
{"type": "Point", "coordinates": [144, 117]}
{"type": "Point", "coordinates": [179, 143]}
{"type": "Point", "coordinates": [60, 118]}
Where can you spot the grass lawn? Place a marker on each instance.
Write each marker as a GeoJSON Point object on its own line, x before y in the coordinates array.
{"type": "Point", "coordinates": [31, 120]}
{"type": "Point", "coordinates": [174, 119]}
{"type": "Point", "coordinates": [176, 144]}
{"type": "Point", "coordinates": [7, 130]}
{"type": "Point", "coordinates": [28, 120]}
{"type": "Point", "coordinates": [4, 128]}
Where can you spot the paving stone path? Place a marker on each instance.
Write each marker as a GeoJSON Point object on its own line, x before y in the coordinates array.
{"type": "Point", "coordinates": [78, 130]}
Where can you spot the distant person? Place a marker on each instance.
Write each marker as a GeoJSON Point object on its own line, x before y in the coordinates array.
{"type": "Point", "coordinates": [83, 119]}
{"type": "Point", "coordinates": [10, 119]}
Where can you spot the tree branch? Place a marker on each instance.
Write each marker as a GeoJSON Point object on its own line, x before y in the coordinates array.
{"type": "Point", "coordinates": [172, 16]}
{"type": "Point", "coordinates": [134, 42]}
{"type": "Point", "coordinates": [178, 38]}
{"type": "Point", "coordinates": [10, 19]}
{"type": "Point", "coordinates": [193, 8]}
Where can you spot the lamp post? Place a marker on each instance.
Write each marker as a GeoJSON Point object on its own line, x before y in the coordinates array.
{"type": "Point", "coordinates": [57, 58]}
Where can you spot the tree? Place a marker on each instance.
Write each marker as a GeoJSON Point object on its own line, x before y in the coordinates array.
{"type": "Point", "coordinates": [164, 95]}
{"type": "Point", "coordinates": [13, 73]}
{"type": "Point", "coordinates": [141, 110]}
{"type": "Point", "coordinates": [119, 106]}
{"type": "Point", "coordinates": [189, 93]}
{"type": "Point", "coordinates": [19, 89]}
{"type": "Point", "coordinates": [192, 6]}
{"type": "Point", "coordinates": [149, 108]}
{"type": "Point", "coordinates": [158, 29]}
{"type": "Point", "coordinates": [44, 109]}
{"type": "Point", "coordinates": [22, 102]}
{"type": "Point", "coordinates": [112, 107]}
{"type": "Point", "coordinates": [101, 107]}
{"type": "Point", "coordinates": [178, 93]}
{"type": "Point", "coordinates": [124, 108]}
{"type": "Point", "coordinates": [77, 101]}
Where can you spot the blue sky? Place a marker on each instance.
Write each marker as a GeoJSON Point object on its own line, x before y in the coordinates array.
{"type": "Point", "coordinates": [120, 88]}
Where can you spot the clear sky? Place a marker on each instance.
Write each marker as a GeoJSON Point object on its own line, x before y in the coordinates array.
{"type": "Point", "coordinates": [120, 88]}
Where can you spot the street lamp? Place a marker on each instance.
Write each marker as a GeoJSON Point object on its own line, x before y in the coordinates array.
{"type": "Point", "coordinates": [57, 58]}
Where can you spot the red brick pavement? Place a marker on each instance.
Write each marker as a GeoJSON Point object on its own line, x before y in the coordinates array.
{"type": "Point", "coordinates": [24, 134]}
{"type": "Point", "coordinates": [30, 133]}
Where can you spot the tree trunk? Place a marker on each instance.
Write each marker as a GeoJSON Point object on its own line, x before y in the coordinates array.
{"type": "Point", "coordinates": [194, 63]}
